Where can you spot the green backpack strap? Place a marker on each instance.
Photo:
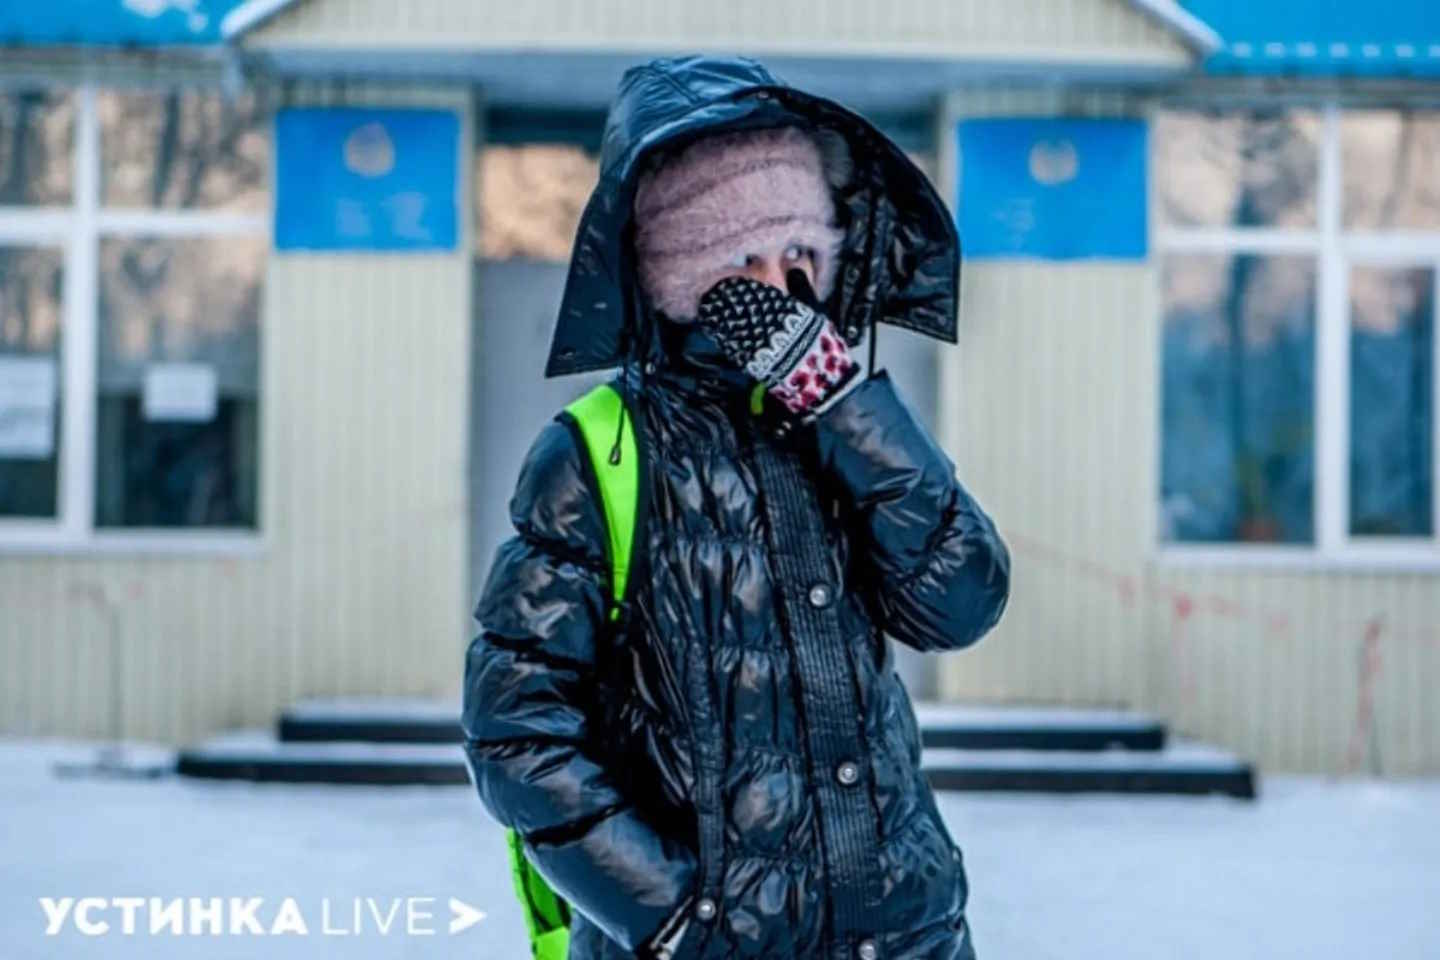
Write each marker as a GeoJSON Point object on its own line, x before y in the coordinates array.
{"type": "Point", "coordinates": [597, 414]}
{"type": "Point", "coordinates": [547, 915]}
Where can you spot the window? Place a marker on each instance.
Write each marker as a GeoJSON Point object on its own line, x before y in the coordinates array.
{"type": "Point", "coordinates": [1299, 261]}
{"type": "Point", "coordinates": [530, 197]}
{"type": "Point", "coordinates": [177, 415]}
{"type": "Point", "coordinates": [1238, 407]}
{"type": "Point", "coordinates": [1391, 168]}
{"type": "Point", "coordinates": [37, 138]}
{"type": "Point", "coordinates": [1238, 170]}
{"type": "Point", "coordinates": [1392, 414]}
{"type": "Point", "coordinates": [133, 244]}
{"type": "Point", "coordinates": [30, 285]}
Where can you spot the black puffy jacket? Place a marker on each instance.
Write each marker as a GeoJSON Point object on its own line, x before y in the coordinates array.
{"type": "Point", "coordinates": [743, 751]}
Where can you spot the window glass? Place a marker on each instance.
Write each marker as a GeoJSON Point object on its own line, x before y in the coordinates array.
{"type": "Point", "coordinates": [30, 381]}
{"type": "Point", "coordinates": [37, 137]}
{"type": "Point", "coordinates": [176, 434]}
{"type": "Point", "coordinates": [1237, 169]}
{"type": "Point", "coordinates": [530, 199]}
{"type": "Point", "coordinates": [1391, 394]}
{"type": "Point", "coordinates": [188, 150]}
{"type": "Point", "coordinates": [1391, 169]}
{"type": "Point", "coordinates": [1238, 400]}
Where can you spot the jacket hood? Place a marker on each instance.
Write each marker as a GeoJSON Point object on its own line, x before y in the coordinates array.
{"type": "Point", "coordinates": [900, 261]}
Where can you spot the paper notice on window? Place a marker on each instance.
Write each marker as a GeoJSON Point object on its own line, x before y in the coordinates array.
{"type": "Point", "coordinates": [179, 391]}
{"type": "Point", "coordinates": [27, 408]}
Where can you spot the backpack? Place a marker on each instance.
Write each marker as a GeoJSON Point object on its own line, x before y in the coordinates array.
{"type": "Point", "coordinates": [606, 427]}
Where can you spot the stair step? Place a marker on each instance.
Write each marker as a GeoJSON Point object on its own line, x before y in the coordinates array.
{"type": "Point", "coordinates": [395, 720]}
{"type": "Point", "coordinates": [1183, 767]}
{"type": "Point", "coordinates": [1036, 728]}
{"type": "Point", "coordinates": [371, 719]}
{"type": "Point", "coordinates": [1180, 768]}
{"type": "Point", "coordinates": [256, 755]}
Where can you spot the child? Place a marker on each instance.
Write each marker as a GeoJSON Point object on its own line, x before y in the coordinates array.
{"type": "Point", "coordinates": [735, 772]}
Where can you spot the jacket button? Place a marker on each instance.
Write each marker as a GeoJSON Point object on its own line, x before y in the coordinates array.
{"type": "Point", "coordinates": [705, 909]}
{"type": "Point", "coordinates": [847, 773]}
{"type": "Point", "coordinates": [819, 595]}
{"type": "Point", "coordinates": [867, 950]}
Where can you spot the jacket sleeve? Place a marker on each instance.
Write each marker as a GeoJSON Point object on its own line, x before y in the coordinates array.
{"type": "Point", "coordinates": [941, 571]}
{"type": "Point", "coordinates": [528, 696]}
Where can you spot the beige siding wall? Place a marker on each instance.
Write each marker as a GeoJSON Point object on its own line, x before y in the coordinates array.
{"type": "Point", "coordinates": [1282, 665]}
{"type": "Point", "coordinates": [1050, 405]}
{"type": "Point", "coordinates": [1092, 30]}
{"type": "Point", "coordinates": [360, 587]}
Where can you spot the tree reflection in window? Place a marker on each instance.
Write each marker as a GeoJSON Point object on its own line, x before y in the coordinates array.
{"type": "Point", "coordinates": [1391, 164]}
{"type": "Point", "coordinates": [529, 199]}
{"type": "Point", "coordinates": [1391, 385]}
{"type": "Point", "coordinates": [1251, 169]}
{"type": "Point", "coordinates": [1238, 399]}
{"type": "Point", "coordinates": [37, 138]}
{"type": "Point", "coordinates": [184, 150]}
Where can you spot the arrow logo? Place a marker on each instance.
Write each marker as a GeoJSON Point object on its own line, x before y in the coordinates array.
{"type": "Point", "coordinates": [463, 916]}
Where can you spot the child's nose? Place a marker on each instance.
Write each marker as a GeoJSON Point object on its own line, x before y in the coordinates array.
{"type": "Point", "coordinates": [770, 271]}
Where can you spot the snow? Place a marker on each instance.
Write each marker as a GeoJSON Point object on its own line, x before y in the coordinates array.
{"type": "Point", "coordinates": [255, 742]}
{"type": "Point", "coordinates": [1316, 868]}
{"type": "Point", "coordinates": [368, 708]}
{"type": "Point", "coordinates": [931, 713]}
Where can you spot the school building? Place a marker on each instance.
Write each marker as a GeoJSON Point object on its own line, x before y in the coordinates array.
{"type": "Point", "coordinates": [277, 279]}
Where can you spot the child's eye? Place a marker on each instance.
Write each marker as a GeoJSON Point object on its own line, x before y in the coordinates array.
{"type": "Point", "coordinates": [740, 260]}
{"type": "Point", "coordinates": [797, 252]}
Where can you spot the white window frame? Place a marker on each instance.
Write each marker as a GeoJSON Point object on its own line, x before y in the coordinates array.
{"type": "Point", "coordinates": [78, 229]}
{"type": "Point", "coordinates": [1336, 250]}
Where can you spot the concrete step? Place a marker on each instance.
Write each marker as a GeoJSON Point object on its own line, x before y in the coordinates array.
{"type": "Point", "coordinates": [1035, 728]}
{"type": "Point", "coordinates": [257, 756]}
{"type": "Point", "coordinates": [1180, 768]}
{"type": "Point", "coordinates": [395, 720]}
{"type": "Point", "coordinates": [1183, 767]}
{"type": "Point", "coordinates": [371, 719]}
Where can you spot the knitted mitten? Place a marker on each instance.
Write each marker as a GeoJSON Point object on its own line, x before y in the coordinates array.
{"type": "Point", "coordinates": [781, 341]}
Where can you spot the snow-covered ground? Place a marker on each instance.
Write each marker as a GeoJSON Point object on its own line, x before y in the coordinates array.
{"type": "Point", "coordinates": [1314, 869]}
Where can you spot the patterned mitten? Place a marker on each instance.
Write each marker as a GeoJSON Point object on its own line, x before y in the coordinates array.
{"type": "Point", "coordinates": [779, 340]}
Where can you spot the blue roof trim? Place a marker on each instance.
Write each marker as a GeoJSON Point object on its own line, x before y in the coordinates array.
{"type": "Point", "coordinates": [1393, 38]}
{"type": "Point", "coordinates": [113, 23]}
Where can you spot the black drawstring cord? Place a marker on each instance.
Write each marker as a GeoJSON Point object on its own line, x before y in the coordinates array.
{"type": "Point", "coordinates": [624, 393]}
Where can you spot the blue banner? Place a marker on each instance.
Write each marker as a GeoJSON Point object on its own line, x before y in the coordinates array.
{"type": "Point", "coordinates": [1053, 189]}
{"type": "Point", "coordinates": [366, 179]}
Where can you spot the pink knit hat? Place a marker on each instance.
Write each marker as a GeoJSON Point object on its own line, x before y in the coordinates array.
{"type": "Point", "coordinates": [727, 195]}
